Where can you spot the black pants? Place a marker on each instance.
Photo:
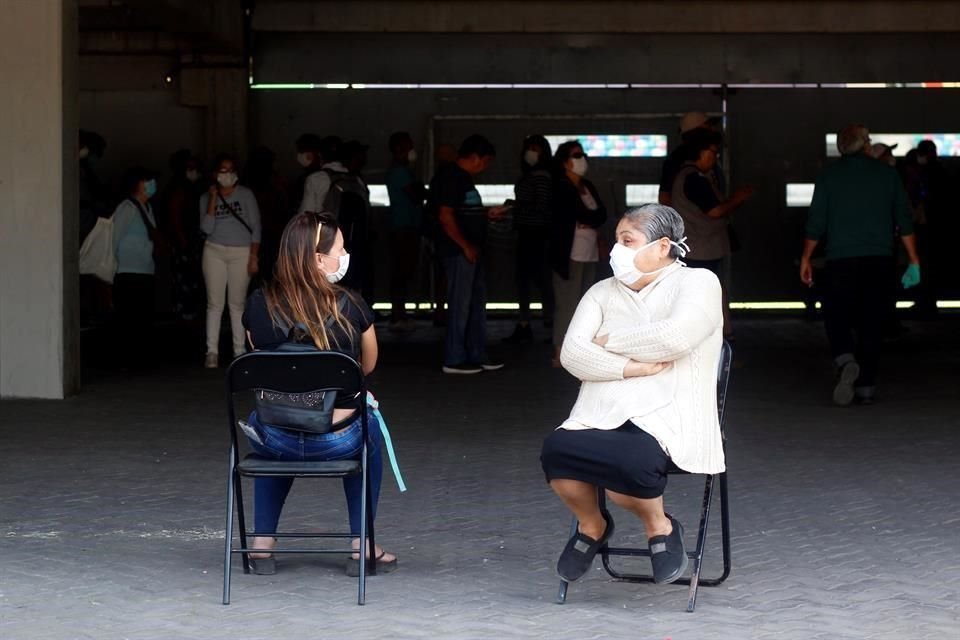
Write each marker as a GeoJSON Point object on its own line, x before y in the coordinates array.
{"type": "Point", "coordinates": [858, 294]}
{"type": "Point", "coordinates": [134, 301]}
{"type": "Point", "coordinates": [533, 267]}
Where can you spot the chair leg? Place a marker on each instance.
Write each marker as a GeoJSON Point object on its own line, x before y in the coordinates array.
{"type": "Point", "coordinates": [725, 527]}
{"type": "Point", "coordinates": [701, 544]}
{"type": "Point", "coordinates": [562, 591]}
{"type": "Point", "coordinates": [371, 530]}
{"type": "Point", "coordinates": [228, 528]}
{"type": "Point", "coordinates": [364, 521]}
{"type": "Point", "coordinates": [242, 522]}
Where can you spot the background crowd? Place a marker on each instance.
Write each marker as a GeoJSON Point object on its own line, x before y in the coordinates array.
{"type": "Point", "coordinates": [208, 232]}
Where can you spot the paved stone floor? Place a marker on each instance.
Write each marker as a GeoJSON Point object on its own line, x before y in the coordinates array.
{"type": "Point", "coordinates": [846, 522]}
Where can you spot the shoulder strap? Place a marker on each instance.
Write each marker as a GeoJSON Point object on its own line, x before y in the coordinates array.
{"type": "Point", "coordinates": [151, 229]}
{"type": "Point", "coordinates": [288, 329]}
{"type": "Point", "coordinates": [234, 213]}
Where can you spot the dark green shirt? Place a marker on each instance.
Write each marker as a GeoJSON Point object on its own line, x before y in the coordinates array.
{"type": "Point", "coordinates": [858, 205]}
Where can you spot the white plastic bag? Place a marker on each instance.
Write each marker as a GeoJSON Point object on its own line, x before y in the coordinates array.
{"type": "Point", "coordinates": [96, 253]}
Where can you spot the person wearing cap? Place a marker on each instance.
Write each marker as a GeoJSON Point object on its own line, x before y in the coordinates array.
{"type": "Point", "coordinates": [691, 124]}
{"type": "Point", "coordinates": [884, 153]}
{"type": "Point", "coordinates": [705, 211]}
{"type": "Point", "coordinates": [858, 205]}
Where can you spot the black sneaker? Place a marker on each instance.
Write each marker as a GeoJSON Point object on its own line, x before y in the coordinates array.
{"type": "Point", "coordinates": [667, 554]}
{"type": "Point", "coordinates": [521, 335]}
{"type": "Point", "coordinates": [462, 369]}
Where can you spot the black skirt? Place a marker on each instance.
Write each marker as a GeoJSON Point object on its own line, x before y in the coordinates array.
{"type": "Point", "coordinates": [626, 460]}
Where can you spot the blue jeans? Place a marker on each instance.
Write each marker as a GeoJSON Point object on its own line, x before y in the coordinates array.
{"type": "Point", "coordinates": [282, 444]}
{"type": "Point", "coordinates": [466, 312]}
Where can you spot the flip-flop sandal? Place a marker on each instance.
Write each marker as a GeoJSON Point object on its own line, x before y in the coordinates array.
{"type": "Point", "coordinates": [383, 566]}
{"type": "Point", "coordinates": [263, 566]}
{"type": "Point", "coordinates": [578, 555]}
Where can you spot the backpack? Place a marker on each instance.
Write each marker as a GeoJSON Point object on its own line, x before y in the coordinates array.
{"type": "Point", "coordinates": [349, 200]}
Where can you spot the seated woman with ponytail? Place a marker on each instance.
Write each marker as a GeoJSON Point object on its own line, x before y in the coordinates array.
{"type": "Point", "coordinates": [303, 304]}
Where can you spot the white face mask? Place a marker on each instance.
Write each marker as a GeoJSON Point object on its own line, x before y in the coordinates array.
{"type": "Point", "coordinates": [303, 159]}
{"type": "Point", "coordinates": [579, 166]}
{"type": "Point", "coordinates": [532, 157]}
{"type": "Point", "coordinates": [193, 175]}
{"type": "Point", "coordinates": [341, 271]}
{"type": "Point", "coordinates": [622, 261]}
{"type": "Point", "coordinates": [412, 156]}
{"type": "Point", "coordinates": [226, 180]}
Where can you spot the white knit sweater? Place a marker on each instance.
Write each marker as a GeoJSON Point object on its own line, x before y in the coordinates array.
{"type": "Point", "coordinates": [676, 319]}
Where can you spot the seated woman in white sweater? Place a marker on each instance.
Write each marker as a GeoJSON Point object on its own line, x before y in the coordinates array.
{"type": "Point", "coordinates": [646, 345]}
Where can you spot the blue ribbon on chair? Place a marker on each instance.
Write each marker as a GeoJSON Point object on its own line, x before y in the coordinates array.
{"type": "Point", "coordinates": [375, 409]}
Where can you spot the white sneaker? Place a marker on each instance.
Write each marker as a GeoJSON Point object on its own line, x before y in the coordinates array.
{"type": "Point", "coordinates": [212, 361]}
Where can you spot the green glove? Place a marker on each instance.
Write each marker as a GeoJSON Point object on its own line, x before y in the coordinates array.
{"type": "Point", "coordinates": [911, 277]}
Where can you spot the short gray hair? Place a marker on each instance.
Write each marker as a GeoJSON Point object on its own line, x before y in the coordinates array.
{"type": "Point", "coordinates": [657, 221]}
{"type": "Point", "coordinates": [852, 139]}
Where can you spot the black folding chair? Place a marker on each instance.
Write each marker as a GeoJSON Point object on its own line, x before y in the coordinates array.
{"type": "Point", "coordinates": [723, 379]}
{"type": "Point", "coordinates": [294, 372]}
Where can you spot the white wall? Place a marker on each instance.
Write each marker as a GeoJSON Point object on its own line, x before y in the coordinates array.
{"type": "Point", "coordinates": [38, 199]}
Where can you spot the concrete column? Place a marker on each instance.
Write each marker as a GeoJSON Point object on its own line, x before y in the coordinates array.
{"type": "Point", "coordinates": [39, 329]}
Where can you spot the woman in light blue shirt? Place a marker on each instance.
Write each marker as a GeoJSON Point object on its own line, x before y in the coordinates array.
{"type": "Point", "coordinates": [134, 286]}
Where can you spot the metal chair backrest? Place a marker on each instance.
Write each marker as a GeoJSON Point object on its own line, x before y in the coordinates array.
{"type": "Point", "coordinates": [723, 379]}
{"type": "Point", "coordinates": [293, 372]}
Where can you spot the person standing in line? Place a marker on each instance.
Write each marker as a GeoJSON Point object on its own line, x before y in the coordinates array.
{"type": "Point", "coordinates": [444, 156]}
{"type": "Point", "coordinates": [532, 218]}
{"type": "Point", "coordinates": [704, 211]}
{"type": "Point", "coordinates": [857, 206]}
{"type": "Point", "coordinates": [578, 212]}
{"type": "Point", "coordinates": [308, 157]}
{"type": "Point", "coordinates": [134, 243]}
{"type": "Point", "coordinates": [181, 198]}
{"type": "Point", "coordinates": [692, 124]}
{"type": "Point", "coordinates": [462, 220]}
{"type": "Point", "coordinates": [406, 194]}
{"type": "Point", "coordinates": [936, 229]}
{"type": "Point", "coordinates": [317, 183]}
{"type": "Point", "coordinates": [230, 218]}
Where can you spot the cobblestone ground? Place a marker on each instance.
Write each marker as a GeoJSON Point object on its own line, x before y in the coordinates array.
{"type": "Point", "coordinates": [845, 521]}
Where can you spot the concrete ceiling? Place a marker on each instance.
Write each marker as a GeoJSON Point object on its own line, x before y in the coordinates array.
{"type": "Point", "coordinates": [609, 16]}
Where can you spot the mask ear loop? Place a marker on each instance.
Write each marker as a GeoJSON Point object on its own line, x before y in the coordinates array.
{"type": "Point", "coordinates": [684, 249]}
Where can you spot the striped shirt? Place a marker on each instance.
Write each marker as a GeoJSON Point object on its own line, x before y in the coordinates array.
{"type": "Point", "coordinates": [533, 194]}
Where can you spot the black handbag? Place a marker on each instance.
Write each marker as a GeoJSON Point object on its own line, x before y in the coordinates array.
{"type": "Point", "coordinates": [310, 412]}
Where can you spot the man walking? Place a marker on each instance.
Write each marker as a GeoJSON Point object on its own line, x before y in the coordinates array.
{"type": "Point", "coordinates": [858, 207]}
